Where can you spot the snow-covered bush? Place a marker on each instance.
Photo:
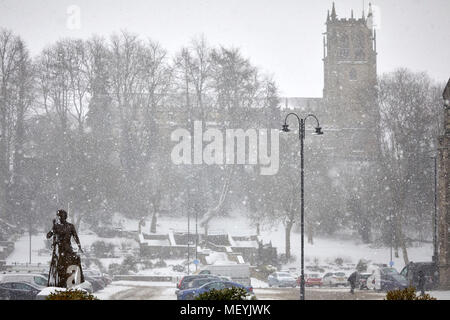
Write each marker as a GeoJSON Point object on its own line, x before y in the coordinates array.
{"type": "Point", "coordinates": [407, 294]}
{"type": "Point", "coordinates": [71, 294]}
{"type": "Point", "coordinates": [160, 264]}
{"type": "Point", "coordinates": [339, 261]}
{"type": "Point", "coordinates": [147, 264]}
{"type": "Point", "coordinates": [361, 266]}
{"type": "Point", "coordinates": [234, 293]}
{"type": "Point", "coordinates": [127, 265]}
{"type": "Point", "coordinates": [101, 249]}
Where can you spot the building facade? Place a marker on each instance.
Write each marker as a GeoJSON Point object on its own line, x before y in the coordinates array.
{"type": "Point", "coordinates": [444, 195]}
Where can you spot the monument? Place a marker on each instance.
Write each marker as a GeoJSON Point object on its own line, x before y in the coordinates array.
{"type": "Point", "coordinates": [65, 267]}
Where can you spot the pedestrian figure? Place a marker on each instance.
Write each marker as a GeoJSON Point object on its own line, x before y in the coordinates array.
{"type": "Point", "coordinates": [421, 282]}
{"type": "Point", "coordinates": [65, 262]}
{"type": "Point", "coordinates": [352, 280]}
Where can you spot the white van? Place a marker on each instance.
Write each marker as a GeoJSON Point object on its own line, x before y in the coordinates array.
{"type": "Point", "coordinates": [239, 273]}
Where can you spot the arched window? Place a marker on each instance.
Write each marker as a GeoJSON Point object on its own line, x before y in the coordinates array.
{"type": "Point", "coordinates": [359, 54]}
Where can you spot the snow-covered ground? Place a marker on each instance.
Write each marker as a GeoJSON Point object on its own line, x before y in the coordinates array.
{"type": "Point", "coordinates": [109, 291]}
{"type": "Point", "coordinates": [323, 252]}
{"type": "Point", "coordinates": [256, 283]}
{"type": "Point", "coordinates": [440, 295]}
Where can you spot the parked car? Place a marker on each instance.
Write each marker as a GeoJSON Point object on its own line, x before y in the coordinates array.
{"type": "Point", "coordinates": [33, 278]}
{"type": "Point", "coordinates": [184, 281]}
{"type": "Point", "coordinates": [430, 270]}
{"type": "Point", "coordinates": [311, 280]}
{"type": "Point", "coordinates": [363, 280]}
{"type": "Point", "coordinates": [190, 294]}
{"type": "Point", "coordinates": [281, 279]}
{"type": "Point", "coordinates": [334, 279]}
{"type": "Point", "coordinates": [197, 283]}
{"type": "Point", "coordinates": [19, 290]}
{"type": "Point", "coordinates": [38, 279]}
{"type": "Point", "coordinates": [385, 279]}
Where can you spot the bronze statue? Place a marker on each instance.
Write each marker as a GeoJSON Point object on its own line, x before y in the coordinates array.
{"type": "Point", "coordinates": [65, 267]}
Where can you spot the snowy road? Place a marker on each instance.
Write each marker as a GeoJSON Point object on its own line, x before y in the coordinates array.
{"type": "Point", "coordinates": [166, 291]}
{"type": "Point", "coordinates": [316, 294]}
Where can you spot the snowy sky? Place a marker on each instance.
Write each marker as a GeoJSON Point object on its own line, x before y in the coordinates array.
{"type": "Point", "coordinates": [284, 37]}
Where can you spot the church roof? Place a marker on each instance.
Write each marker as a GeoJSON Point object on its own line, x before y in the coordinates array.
{"type": "Point", "coordinates": [301, 103]}
{"type": "Point", "coordinates": [446, 93]}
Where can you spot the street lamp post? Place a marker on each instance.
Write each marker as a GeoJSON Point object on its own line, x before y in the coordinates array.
{"type": "Point", "coordinates": [188, 241]}
{"type": "Point", "coordinates": [301, 136]}
{"type": "Point", "coordinates": [196, 239]}
{"type": "Point", "coordinates": [435, 216]}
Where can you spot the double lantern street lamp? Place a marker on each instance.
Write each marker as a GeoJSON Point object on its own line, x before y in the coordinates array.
{"type": "Point", "coordinates": [301, 136]}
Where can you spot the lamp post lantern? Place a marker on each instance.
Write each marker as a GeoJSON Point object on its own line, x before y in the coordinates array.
{"type": "Point", "coordinates": [301, 136]}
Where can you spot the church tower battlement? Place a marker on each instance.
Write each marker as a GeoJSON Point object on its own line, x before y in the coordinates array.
{"type": "Point", "coordinates": [350, 67]}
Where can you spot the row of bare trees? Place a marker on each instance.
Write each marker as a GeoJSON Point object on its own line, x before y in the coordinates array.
{"type": "Point", "coordinates": [86, 125]}
{"type": "Point", "coordinates": [92, 119]}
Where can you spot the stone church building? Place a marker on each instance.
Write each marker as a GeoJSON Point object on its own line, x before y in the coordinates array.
{"type": "Point", "coordinates": [348, 109]}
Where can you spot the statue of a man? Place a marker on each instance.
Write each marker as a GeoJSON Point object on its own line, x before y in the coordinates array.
{"type": "Point", "coordinates": [65, 267]}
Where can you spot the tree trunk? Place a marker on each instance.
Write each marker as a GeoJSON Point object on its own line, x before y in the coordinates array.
{"type": "Point", "coordinates": [400, 238]}
{"type": "Point", "coordinates": [288, 239]}
{"type": "Point", "coordinates": [310, 234]}
{"type": "Point", "coordinates": [154, 221]}
{"type": "Point", "coordinates": [402, 244]}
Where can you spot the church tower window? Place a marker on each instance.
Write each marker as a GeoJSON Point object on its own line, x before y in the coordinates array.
{"type": "Point", "coordinates": [353, 75]}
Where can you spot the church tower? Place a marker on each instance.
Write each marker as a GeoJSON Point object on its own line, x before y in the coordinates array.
{"type": "Point", "coordinates": [350, 68]}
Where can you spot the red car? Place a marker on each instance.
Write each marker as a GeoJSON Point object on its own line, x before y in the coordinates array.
{"type": "Point", "coordinates": [311, 280]}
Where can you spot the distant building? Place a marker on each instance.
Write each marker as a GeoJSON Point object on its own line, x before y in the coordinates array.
{"type": "Point", "coordinates": [348, 110]}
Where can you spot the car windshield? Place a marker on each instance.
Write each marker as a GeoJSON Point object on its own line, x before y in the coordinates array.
{"type": "Point", "coordinates": [390, 271]}
{"type": "Point", "coordinates": [339, 274]}
{"type": "Point", "coordinates": [188, 278]}
{"type": "Point", "coordinates": [284, 274]}
{"type": "Point", "coordinates": [314, 275]}
{"type": "Point", "coordinates": [40, 281]}
{"type": "Point", "coordinates": [214, 285]}
{"type": "Point", "coordinates": [398, 277]}
{"type": "Point", "coordinates": [199, 282]}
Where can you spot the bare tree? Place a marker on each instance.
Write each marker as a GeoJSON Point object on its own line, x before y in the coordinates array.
{"type": "Point", "coordinates": [408, 117]}
{"type": "Point", "coordinates": [16, 96]}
